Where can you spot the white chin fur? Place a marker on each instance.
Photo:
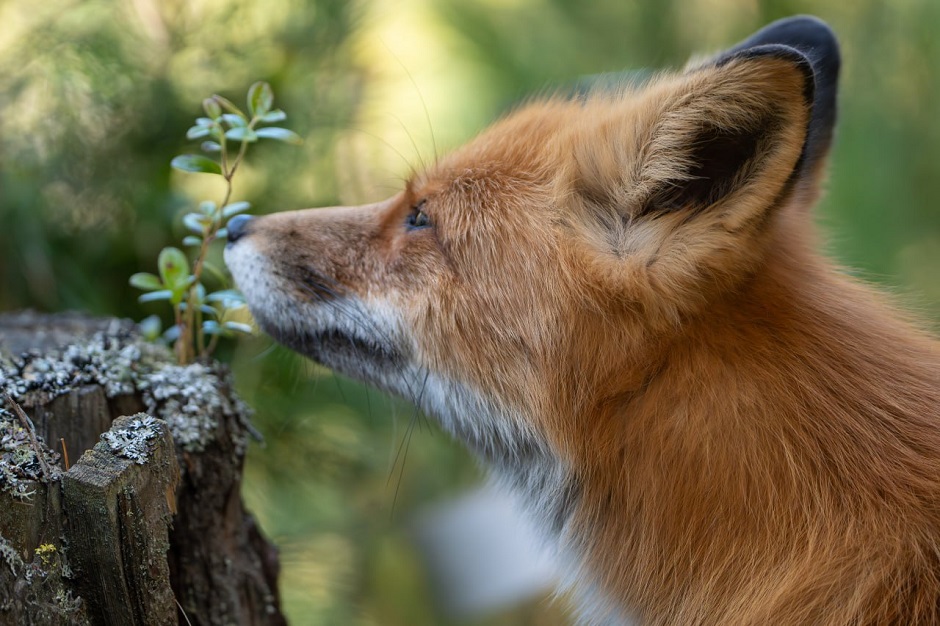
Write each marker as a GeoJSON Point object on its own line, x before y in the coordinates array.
{"type": "Point", "coordinates": [358, 338]}
{"type": "Point", "coordinates": [249, 269]}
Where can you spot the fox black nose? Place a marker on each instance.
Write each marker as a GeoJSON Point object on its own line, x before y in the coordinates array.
{"type": "Point", "coordinates": [238, 227]}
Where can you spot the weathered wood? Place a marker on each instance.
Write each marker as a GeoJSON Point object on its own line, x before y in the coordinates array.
{"type": "Point", "coordinates": [24, 331]}
{"type": "Point", "coordinates": [209, 549]}
{"type": "Point", "coordinates": [77, 418]}
{"type": "Point", "coordinates": [73, 375]}
{"type": "Point", "coordinates": [34, 570]}
{"type": "Point", "coordinates": [119, 510]}
{"type": "Point", "coordinates": [35, 521]}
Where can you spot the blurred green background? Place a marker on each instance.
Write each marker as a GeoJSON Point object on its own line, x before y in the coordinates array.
{"type": "Point", "coordinates": [95, 98]}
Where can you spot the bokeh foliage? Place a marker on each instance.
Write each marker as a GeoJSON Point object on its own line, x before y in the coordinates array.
{"type": "Point", "coordinates": [95, 96]}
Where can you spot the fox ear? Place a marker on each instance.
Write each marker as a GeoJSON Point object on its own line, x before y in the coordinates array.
{"type": "Point", "coordinates": [675, 186]}
{"type": "Point", "coordinates": [729, 133]}
{"type": "Point", "coordinates": [734, 129]}
{"type": "Point", "coordinates": [813, 39]}
{"type": "Point", "coordinates": [729, 144]}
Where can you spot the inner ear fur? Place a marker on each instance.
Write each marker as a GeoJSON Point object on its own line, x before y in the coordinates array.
{"type": "Point", "coordinates": [718, 160]}
{"type": "Point", "coordinates": [736, 128]}
{"type": "Point", "coordinates": [730, 131]}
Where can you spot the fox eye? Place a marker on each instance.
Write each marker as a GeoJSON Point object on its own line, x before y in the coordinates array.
{"type": "Point", "coordinates": [417, 218]}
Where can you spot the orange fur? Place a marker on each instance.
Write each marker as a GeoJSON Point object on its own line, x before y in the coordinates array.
{"type": "Point", "coordinates": [746, 434]}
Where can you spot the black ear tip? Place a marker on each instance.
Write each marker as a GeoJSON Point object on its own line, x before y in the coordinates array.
{"type": "Point", "coordinates": [814, 40]}
{"type": "Point", "coordinates": [808, 28]}
{"type": "Point", "coordinates": [806, 33]}
{"type": "Point", "coordinates": [810, 35]}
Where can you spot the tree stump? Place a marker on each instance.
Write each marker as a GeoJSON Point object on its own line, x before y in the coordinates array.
{"type": "Point", "coordinates": [120, 476]}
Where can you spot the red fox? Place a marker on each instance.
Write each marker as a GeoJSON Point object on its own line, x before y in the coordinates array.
{"type": "Point", "coordinates": [617, 301]}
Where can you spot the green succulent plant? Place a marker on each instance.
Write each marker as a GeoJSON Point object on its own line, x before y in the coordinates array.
{"type": "Point", "coordinates": [201, 316]}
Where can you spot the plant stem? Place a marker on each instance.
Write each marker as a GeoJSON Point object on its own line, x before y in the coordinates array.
{"type": "Point", "coordinates": [213, 342]}
{"type": "Point", "coordinates": [192, 317]}
{"type": "Point", "coordinates": [200, 336]}
{"type": "Point", "coordinates": [181, 355]}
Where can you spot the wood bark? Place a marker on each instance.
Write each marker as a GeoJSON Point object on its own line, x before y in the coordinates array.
{"type": "Point", "coordinates": [146, 525]}
{"type": "Point", "coordinates": [118, 516]}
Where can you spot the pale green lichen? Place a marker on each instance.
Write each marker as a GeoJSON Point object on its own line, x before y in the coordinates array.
{"type": "Point", "coordinates": [190, 398]}
{"type": "Point", "coordinates": [48, 600]}
{"type": "Point", "coordinates": [20, 465]}
{"type": "Point", "coordinates": [10, 556]}
{"type": "Point", "coordinates": [133, 440]}
{"type": "Point", "coordinates": [112, 360]}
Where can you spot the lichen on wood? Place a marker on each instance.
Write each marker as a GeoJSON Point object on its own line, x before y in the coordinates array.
{"type": "Point", "coordinates": [22, 462]}
{"type": "Point", "coordinates": [73, 375]}
{"type": "Point", "coordinates": [133, 439]}
{"type": "Point", "coordinates": [120, 497]}
{"type": "Point", "coordinates": [187, 397]}
{"type": "Point", "coordinates": [35, 587]}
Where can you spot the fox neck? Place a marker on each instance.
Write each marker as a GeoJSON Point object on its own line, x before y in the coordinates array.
{"type": "Point", "coordinates": [697, 461]}
{"type": "Point", "coordinates": [502, 437]}
{"type": "Point", "coordinates": [792, 412]}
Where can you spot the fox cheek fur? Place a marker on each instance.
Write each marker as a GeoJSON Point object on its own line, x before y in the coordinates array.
{"type": "Point", "coordinates": [617, 301]}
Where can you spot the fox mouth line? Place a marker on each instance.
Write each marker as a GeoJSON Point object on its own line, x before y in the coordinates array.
{"type": "Point", "coordinates": [332, 341]}
{"type": "Point", "coordinates": [336, 348]}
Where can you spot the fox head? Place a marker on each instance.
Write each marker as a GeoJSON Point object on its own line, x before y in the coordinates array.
{"type": "Point", "coordinates": [534, 273]}
{"type": "Point", "coordinates": [533, 276]}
